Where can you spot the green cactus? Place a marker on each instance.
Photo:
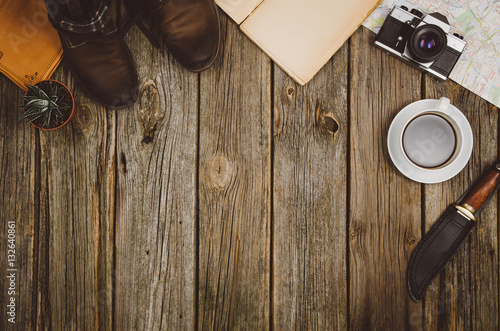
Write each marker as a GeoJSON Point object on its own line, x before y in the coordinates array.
{"type": "Point", "coordinates": [43, 105]}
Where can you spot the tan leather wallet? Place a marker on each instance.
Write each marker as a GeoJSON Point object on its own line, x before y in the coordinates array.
{"type": "Point", "coordinates": [30, 49]}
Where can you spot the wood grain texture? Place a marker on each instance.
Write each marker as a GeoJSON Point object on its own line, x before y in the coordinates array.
{"type": "Point", "coordinates": [18, 206]}
{"type": "Point", "coordinates": [466, 294]}
{"type": "Point", "coordinates": [236, 199]}
{"type": "Point", "coordinates": [384, 223]}
{"type": "Point", "coordinates": [76, 218]}
{"type": "Point", "coordinates": [310, 179]}
{"type": "Point", "coordinates": [156, 196]}
{"type": "Point", "coordinates": [235, 187]}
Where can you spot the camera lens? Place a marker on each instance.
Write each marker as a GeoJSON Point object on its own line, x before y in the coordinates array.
{"type": "Point", "coordinates": [427, 43]}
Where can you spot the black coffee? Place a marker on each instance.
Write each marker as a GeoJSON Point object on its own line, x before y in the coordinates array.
{"type": "Point", "coordinates": [429, 141]}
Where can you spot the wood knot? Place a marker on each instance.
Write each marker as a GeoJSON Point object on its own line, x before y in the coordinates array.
{"type": "Point", "coordinates": [150, 110]}
{"type": "Point", "coordinates": [84, 117]}
{"type": "Point", "coordinates": [325, 119]}
{"type": "Point", "coordinates": [288, 92]}
{"type": "Point", "coordinates": [123, 162]}
{"type": "Point", "coordinates": [220, 172]}
{"type": "Point", "coordinates": [329, 123]}
{"type": "Point", "coordinates": [353, 233]}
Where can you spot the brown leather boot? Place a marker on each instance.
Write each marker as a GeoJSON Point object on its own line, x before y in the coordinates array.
{"type": "Point", "coordinates": [190, 29]}
{"type": "Point", "coordinates": [101, 61]}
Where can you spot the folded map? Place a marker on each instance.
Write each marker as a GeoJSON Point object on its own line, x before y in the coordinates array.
{"type": "Point", "coordinates": [478, 68]}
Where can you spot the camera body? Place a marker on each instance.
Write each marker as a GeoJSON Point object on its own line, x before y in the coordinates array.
{"type": "Point", "coordinates": [422, 40]}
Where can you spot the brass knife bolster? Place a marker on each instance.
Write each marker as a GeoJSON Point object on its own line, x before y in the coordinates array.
{"type": "Point", "coordinates": [466, 211]}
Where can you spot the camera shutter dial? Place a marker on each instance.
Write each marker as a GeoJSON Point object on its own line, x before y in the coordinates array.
{"type": "Point", "coordinates": [417, 13]}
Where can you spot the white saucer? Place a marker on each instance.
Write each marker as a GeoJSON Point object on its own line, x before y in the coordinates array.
{"type": "Point", "coordinates": [414, 172]}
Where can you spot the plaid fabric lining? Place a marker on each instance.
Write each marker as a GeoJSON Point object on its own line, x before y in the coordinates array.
{"type": "Point", "coordinates": [98, 22]}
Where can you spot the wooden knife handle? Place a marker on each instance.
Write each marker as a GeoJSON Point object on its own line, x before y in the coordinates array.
{"type": "Point", "coordinates": [484, 188]}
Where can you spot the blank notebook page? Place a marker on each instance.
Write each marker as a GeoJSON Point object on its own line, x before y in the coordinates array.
{"type": "Point", "coordinates": [302, 35]}
{"type": "Point", "coordinates": [238, 10]}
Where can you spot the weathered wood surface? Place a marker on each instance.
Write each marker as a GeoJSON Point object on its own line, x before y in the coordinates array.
{"type": "Point", "coordinates": [155, 228]}
{"type": "Point", "coordinates": [235, 187]}
{"type": "Point", "coordinates": [310, 180]}
{"type": "Point", "coordinates": [385, 207]}
{"type": "Point", "coordinates": [236, 199]}
{"type": "Point", "coordinates": [19, 210]}
{"type": "Point", "coordinates": [76, 213]}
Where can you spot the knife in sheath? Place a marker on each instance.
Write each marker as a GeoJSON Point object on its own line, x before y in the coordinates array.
{"type": "Point", "coordinates": [439, 245]}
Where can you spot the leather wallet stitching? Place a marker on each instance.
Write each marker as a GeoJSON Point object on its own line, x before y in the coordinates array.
{"type": "Point", "coordinates": [52, 60]}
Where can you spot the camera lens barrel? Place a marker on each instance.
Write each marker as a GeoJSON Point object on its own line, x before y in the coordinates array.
{"type": "Point", "coordinates": [427, 43]}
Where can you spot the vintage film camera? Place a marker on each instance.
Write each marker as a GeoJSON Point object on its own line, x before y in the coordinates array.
{"type": "Point", "coordinates": [422, 40]}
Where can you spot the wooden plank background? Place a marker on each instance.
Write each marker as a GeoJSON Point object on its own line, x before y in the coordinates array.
{"type": "Point", "coordinates": [385, 207]}
{"type": "Point", "coordinates": [237, 199]}
{"type": "Point", "coordinates": [310, 181]}
{"type": "Point", "coordinates": [234, 187]}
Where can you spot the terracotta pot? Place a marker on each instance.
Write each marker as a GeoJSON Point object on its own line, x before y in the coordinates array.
{"type": "Point", "coordinates": [73, 108]}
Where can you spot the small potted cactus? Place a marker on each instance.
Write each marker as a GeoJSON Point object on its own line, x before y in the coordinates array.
{"type": "Point", "coordinates": [48, 105]}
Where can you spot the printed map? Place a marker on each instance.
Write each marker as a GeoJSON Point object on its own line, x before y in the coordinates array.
{"type": "Point", "coordinates": [478, 69]}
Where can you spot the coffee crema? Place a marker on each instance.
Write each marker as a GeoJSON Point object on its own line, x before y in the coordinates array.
{"type": "Point", "coordinates": [429, 141]}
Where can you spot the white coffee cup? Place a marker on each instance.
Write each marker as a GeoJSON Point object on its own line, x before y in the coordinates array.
{"type": "Point", "coordinates": [430, 141]}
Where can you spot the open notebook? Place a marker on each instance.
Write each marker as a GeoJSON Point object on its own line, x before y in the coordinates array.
{"type": "Point", "coordinates": [299, 35]}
